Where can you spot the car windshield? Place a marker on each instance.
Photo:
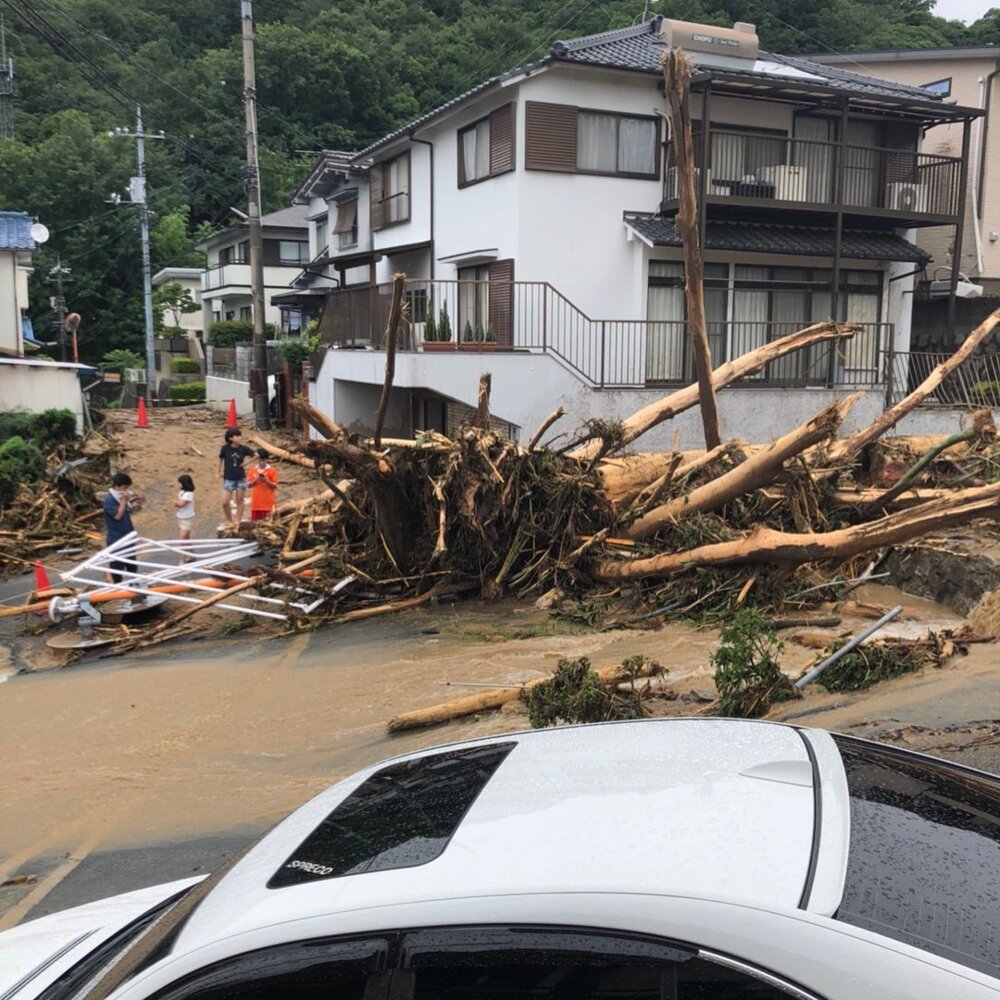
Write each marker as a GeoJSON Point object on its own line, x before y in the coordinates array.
{"type": "Point", "coordinates": [925, 853]}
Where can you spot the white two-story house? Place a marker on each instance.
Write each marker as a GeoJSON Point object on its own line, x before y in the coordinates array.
{"type": "Point", "coordinates": [225, 281]}
{"type": "Point", "coordinates": [533, 217]}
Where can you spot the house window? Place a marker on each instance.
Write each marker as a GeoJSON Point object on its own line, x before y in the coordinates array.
{"type": "Point", "coordinates": [246, 312]}
{"type": "Point", "coordinates": [293, 252]}
{"type": "Point", "coordinates": [940, 87]}
{"type": "Point", "coordinates": [746, 307]}
{"type": "Point", "coordinates": [347, 224]}
{"type": "Point", "coordinates": [291, 320]}
{"type": "Point", "coordinates": [486, 147]}
{"type": "Point", "coordinates": [389, 184]}
{"type": "Point", "coordinates": [473, 302]}
{"type": "Point", "coordinates": [616, 144]}
{"type": "Point", "coordinates": [320, 233]}
{"type": "Point", "coordinates": [239, 253]}
{"type": "Point", "coordinates": [417, 299]}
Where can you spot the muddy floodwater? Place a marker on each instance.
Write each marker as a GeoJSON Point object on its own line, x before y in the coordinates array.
{"type": "Point", "coordinates": [194, 738]}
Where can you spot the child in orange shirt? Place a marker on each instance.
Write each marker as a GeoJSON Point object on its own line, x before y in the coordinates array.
{"type": "Point", "coordinates": [263, 483]}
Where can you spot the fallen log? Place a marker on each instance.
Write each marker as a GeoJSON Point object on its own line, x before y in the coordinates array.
{"type": "Point", "coordinates": [482, 417]}
{"type": "Point", "coordinates": [748, 476]}
{"type": "Point", "coordinates": [867, 497]}
{"type": "Point", "coordinates": [277, 452]}
{"type": "Point", "coordinates": [850, 447]}
{"type": "Point", "coordinates": [624, 477]}
{"type": "Point", "coordinates": [748, 364]}
{"type": "Point", "coordinates": [769, 546]}
{"type": "Point", "coordinates": [555, 415]}
{"type": "Point", "coordinates": [316, 418]}
{"type": "Point", "coordinates": [494, 698]}
{"type": "Point", "coordinates": [378, 610]}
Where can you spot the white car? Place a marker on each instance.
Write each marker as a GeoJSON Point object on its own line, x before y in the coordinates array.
{"type": "Point", "coordinates": [661, 860]}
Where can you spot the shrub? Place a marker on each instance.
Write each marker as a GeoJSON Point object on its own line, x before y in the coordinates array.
{"type": "Point", "coordinates": [293, 351]}
{"type": "Point", "coordinates": [444, 325]}
{"type": "Point", "coordinates": [185, 366]}
{"type": "Point", "coordinates": [747, 675]}
{"type": "Point", "coordinates": [45, 430]}
{"type": "Point", "coordinates": [20, 462]}
{"type": "Point", "coordinates": [230, 332]}
{"type": "Point", "coordinates": [118, 360]}
{"type": "Point", "coordinates": [188, 392]}
{"type": "Point", "coordinates": [430, 327]}
{"type": "Point", "coordinates": [468, 336]}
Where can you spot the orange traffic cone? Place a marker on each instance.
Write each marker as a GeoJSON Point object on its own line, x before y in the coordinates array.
{"type": "Point", "coordinates": [142, 418]}
{"type": "Point", "coordinates": [41, 578]}
{"type": "Point", "coordinates": [231, 420]}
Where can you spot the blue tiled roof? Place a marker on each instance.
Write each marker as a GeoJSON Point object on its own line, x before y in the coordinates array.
{"type": "Point", "coordinates": [15, 231]}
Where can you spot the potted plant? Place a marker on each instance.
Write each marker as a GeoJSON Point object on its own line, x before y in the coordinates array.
{"type": "Point", "coordinates": [437, 336]}
{"type": "Point", "coordinates": [477, 339]}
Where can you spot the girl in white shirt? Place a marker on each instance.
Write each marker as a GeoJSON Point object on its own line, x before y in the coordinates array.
{"type": "Point", "coordinates": [185, 506]}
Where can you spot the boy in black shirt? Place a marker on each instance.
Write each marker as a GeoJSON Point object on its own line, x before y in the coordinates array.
{"type": "Point", "coordinates": [232, 455]}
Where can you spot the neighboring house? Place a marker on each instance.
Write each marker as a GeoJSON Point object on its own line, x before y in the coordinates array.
{"type": "Point", "coordinates": [965, 75]}
{"type": "Point", "coordinates": [534, 214]}
{"type": "Point", "coordinates": [225, 282]}
{"type": "Point", "coordinates": [189, 278]}
{"type": "Point", "coordinates": [16, 246]}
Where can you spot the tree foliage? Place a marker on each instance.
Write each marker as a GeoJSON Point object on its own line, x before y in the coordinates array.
{"type": "Point", "coordinates": [329, 76]}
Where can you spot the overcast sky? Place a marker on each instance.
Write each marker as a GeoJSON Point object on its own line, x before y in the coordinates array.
{"type": "Point", "coordinates": [964, 10]}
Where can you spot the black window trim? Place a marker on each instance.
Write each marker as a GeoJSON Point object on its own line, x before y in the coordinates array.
{"type": "Point", "coordinates": [934, 83]}
{"type": "Point", "coordinates": [619, 115]}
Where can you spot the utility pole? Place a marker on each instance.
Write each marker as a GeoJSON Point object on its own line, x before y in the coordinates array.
{"type": "Point", "coordinates": [258, 371]}
{"type": "Point", "coordinates": [58, 303]}
{"type": "Point", "coordinates": [137, 196]}
{"type": "Point", "coordinates": [6, 88]}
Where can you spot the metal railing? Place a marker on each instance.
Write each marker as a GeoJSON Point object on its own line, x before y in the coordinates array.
{"type": "Point", "coordinates": [786, 169]}
{"type": "Point", "coordinates": [607, 353]}
{"type": "Point", "coordinates": [974, 383]}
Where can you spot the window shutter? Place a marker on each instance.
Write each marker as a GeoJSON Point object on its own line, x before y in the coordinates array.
{"type": "Point", "coordinates": [550, 137]}
{"type": "Point", "coordinates": [502, 140]}
{"type": "Point", "coordinates": [501, 307]}
{"type": "Point", "coordinates": [901, 167]}
{"type": "Point", "coordinates": [376, 194]}
{"type": "Point", "coordinates": [347, 214]}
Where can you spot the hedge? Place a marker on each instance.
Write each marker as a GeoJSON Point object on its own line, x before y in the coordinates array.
{"type": "Point", "coordinates": [230, 332]}
{"type": "Point", "coordinates": [44, 430]}
{"type": "Point", "coordinates": [185, 366]}
{"type": "Point", "coordinates": [20, 462]}
{"type": "Point", "coordinates": [188, 392]}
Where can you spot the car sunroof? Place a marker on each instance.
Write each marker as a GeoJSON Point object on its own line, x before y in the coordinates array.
{"type": "Point", "coordinates": [402, 816]}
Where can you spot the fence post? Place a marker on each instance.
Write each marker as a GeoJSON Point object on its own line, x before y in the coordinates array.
{"type": "Point", "coordinates": [545, 317]}
{"type": "Point", "coordinates": [890, 365]}
{"type": "Point", "coordinates": [604, 344]}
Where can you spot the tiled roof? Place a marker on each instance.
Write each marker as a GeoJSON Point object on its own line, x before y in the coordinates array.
{"type": "Point", "coordinates": [639, 48]}
{"type": "Point", "coordinates": [15, 231]}
{"type": "Point", "coordinates": [804, 241]}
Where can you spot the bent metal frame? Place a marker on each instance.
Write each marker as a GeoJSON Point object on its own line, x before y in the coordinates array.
{"type": "Point", "coordinates": [177, 570]}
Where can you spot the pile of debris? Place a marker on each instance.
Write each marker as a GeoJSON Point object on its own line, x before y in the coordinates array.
{"type": "Point", "coordinates": [60, 512]}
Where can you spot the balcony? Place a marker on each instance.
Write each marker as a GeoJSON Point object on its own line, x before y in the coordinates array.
{"type": "Point", "coordinates": [533, 317]}
{"type": "Point", "coordinates": [779, 172]}
{"type": "Point", "coordinates": [236, 275]}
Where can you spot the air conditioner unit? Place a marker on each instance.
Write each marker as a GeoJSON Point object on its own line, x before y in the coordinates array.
{"type": "Point", "coordinates": [790, 183]}
{"type": "Point", "coordinates": [671, 193]}
{"type": "Point", "coordinates": [906, 197]}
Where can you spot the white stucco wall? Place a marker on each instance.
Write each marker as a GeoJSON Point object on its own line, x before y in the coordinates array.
{"type": "Point", "coordinates": [10, 305]}
{"type": "Point", "coordinates": [34, 389]}
{"type": "Point", "coordinates": [219, 391]}
{"type": "Point", "coordinates": [753, 414]}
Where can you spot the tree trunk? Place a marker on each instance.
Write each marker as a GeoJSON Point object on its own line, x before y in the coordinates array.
{"type": "Point", "coordinates": [391, 332]}
{"type": "Point", "coordinates": [769, 546]}
{"type": "Point", "coordinates": [492, 698]}
{"type": "Point", "coordinates": [482, 419]}
{"type": "Point", "coordinates": [750, 475]}
{"type": "Point", "coordinates": [316, 418]}
{"type": "Point", "coordinates": [848, 449]}
{"type": "Point", "coordinates": [276, 452]}
{"type": "Point", "coordinates": [677, 76]}
{"type": "Point", "coordinates": [748, 364]}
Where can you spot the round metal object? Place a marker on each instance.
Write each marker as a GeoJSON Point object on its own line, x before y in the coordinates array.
{"type": "Point", "coordinates": [74, 640]}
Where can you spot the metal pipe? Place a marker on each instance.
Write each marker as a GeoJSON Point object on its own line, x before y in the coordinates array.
{"type": "Point", "coordinates": [847, 647]}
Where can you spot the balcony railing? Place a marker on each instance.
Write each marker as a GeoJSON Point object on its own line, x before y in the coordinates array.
{"type": "Point", "coordinates": [790, 171]}
{"type": "Point", "coordinates": [974, 383]}
{"type": "Point", "coordinates": [533, 316]}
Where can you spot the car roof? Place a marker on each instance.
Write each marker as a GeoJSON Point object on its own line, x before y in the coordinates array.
{"type": "Point", "coordinates": [718, 809]}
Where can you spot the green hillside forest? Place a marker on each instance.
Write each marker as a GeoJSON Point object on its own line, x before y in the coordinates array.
{"type": "Point", "coordinates": [330, 75]}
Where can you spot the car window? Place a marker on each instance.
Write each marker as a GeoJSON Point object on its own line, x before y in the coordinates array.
{"type": "Point", "coordinates": [924, 857]}
{"type": "Point", "coordinates": [483, 963]}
